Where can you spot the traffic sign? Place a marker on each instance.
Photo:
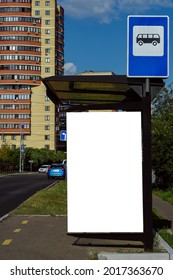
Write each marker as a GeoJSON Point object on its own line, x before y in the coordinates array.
{"type": "Point", "coordinates": [63, 135]}
{"type": "Point", "coordinates": [148, 46]}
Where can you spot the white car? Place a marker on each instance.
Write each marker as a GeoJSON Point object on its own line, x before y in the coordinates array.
{"type": "Point", "coordinates": [43, 168]}
{"type": "Point", "coordinates": [64, 162]}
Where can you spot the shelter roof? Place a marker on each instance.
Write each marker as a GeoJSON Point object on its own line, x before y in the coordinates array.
{"type": "Point", "coordinates": [98, 91]}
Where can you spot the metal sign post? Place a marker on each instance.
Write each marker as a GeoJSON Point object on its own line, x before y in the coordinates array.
{"type": "Point", "coordinates": [147, 167]}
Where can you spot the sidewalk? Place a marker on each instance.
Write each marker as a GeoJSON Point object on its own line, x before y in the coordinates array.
{"type": "Point", "coordinates": [38, 238]}
{"type": "Point", "coordinates": [45, 238]}
{"type": "Point", "coordinates": [164, 209]}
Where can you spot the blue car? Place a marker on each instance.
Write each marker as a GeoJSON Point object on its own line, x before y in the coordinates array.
{"type": "Point", "coordinates": [56, 170]}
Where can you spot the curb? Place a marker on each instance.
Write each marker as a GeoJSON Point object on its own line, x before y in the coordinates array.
{"type": "Point", "coordinates": [165, 245]}
{"type": "Point", "coordinates": [168, 255]}
{"type": "Point", "coordinates": [133, 256]}
{"type": "Point", "coordinates": [4, 217]}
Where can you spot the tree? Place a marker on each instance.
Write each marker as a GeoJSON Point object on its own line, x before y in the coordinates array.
{"type": "Point", "coordinates": [5, 153]}
{"type": "Point", "coordinates": [162, 136]}
{"type": "Point", "coordinates": [14, 157]}
{"type": "Point", "coordinates": [42, 156]}
{"type": "Point", "coordinates": [39, 156]}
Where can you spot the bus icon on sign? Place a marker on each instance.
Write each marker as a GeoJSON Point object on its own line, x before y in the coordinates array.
{"type": "Point", "coordinates": [148, 40]}
{"type": "Point", "coordinates": [153, 39]}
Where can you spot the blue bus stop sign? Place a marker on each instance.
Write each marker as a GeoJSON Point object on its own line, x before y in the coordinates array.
{"type": "Point", "coordinates": [148, 46]}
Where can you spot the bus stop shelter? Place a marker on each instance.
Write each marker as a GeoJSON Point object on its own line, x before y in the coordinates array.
{"type": "Point", "coordinates": [114, 92]}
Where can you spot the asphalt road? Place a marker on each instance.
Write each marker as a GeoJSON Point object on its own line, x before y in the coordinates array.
{"type": "Point", "coordinates": [16, 188]}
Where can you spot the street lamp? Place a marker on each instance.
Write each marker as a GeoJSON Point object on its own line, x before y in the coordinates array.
{"type": "Point", "coordinates": [21, 150]}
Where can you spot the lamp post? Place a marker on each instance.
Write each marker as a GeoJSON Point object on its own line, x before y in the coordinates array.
{"type": "Point", "coordinates": [21, 150]}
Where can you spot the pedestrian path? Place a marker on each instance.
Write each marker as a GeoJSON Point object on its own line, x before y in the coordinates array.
{"type": "Point", "coordinates": [164, 209]}
{"type": "Point", "coordinates": [45, 238]}
{"type": "Point", "coordinates": [38, 238]}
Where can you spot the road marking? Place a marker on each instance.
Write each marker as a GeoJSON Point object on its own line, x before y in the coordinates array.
{"type": "Point", "coordinates": [24, 222]}
{"type": "Point", "coordinates": [7, 242]}
{"type": "Point", "coordinates": [17, 230]}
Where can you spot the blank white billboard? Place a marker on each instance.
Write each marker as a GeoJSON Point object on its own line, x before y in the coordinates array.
{"type": "Point", "coordinates": [104, 172]}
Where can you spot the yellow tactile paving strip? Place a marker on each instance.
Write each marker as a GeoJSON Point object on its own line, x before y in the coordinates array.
{"type": "Point", "coordinates": [25, 222]}
{"type": "Point", "coordinates": [7, 242]}
{"type": "Point", "coordinates": [17, 230]}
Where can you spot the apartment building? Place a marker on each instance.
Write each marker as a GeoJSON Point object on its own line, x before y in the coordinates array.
{"type": "Point", "coordinates": [31, 48]}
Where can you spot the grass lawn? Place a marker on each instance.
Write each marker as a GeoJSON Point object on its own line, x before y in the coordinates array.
{"type": "Point", "coordinates": [165, 234]}
{"type": "Point", "coordinates": [161, 228]}
{"type": "Point", "coordinates": [158, 221]}
{"type": "Point", "coordinates": [52, 201]}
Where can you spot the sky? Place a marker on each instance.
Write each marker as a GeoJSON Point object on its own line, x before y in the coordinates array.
{"type": "Point", "coordinates": [96, 33]}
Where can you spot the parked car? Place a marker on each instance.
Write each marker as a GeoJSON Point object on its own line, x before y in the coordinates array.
{"type": "Point", "coordinates": [43, 168]}
{"type": "Point", "coordinates": [56, 170]}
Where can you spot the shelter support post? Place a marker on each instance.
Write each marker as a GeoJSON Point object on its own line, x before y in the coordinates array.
{"type": "Point", "coordinates": [147, 166]}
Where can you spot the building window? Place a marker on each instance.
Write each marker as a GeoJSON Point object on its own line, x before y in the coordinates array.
{"type": "Point", "coordinates": [37, 13]}
{"type": "Point", "coordinates": [47, 59]}
{"type": "Point", "coordinates": [4, 137]}
{"type": "Point", "coordinates": [47, 13]}
{"type": "Point", "coordinates": [47, 22]}
{"type": "Point", "coordinates": [47, 98]}
{"type": "Point", "coordinates": [47, 70]}
{"type": "Point", "coordinates": [47, 118]}
{"type": "Point", "coordinates": [47, 51]}
{"type": "Point", "coordinates": [47, 41]}
{"type": "Point", "coordinates": [47, 108]}
{"type": "Point", "coordinates": [47, 31]}
{"type": "Point", "coordinates": [47, 3]}
{"type": "Point", "coordinates": [47, 137]}
{"type": "Point", "coordinates": [47, 127]}
{"type": "Point", "coordinates": [37, 3]}
{"type": "Point", "coordinates": [13, 137]}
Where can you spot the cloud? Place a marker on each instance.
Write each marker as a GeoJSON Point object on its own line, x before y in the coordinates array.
{"type": "Point", "coordinates": [80, 9]}
{"type": "Point", "coordinates": [107, 10]}
{"type": "Point", "coordinates": [70, 68]}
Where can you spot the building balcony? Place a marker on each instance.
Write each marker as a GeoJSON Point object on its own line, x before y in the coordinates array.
{"type": "Point", "coordinates": [15, 4]}
{"type": "Point", "coordinates": [20, 33]}
{"type": "Point", "coordinates": [15, 130]}
{"type": "Point", "coordinates": [19, 14]}
{"type": "Point", "coordinates": [26, 82]}
{"type": "Point", "coordinates": [15, 121]}
{"type": "Point", "coordinates": [16, 111]}
{"type": "Point", "coordinates": [14, 91]}
{"type": "Point", "coordinates": [20, 72]}
{"type": "Point", "coordinates": [21, 43]}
